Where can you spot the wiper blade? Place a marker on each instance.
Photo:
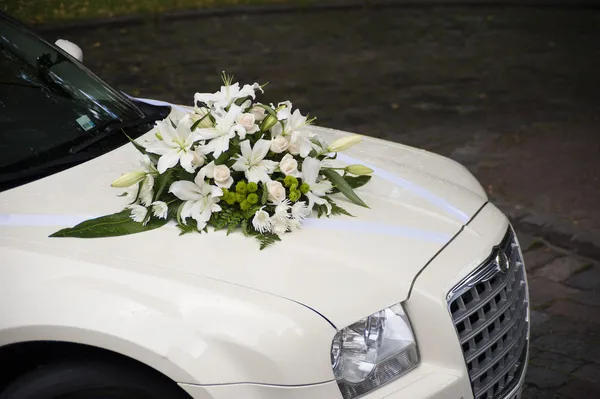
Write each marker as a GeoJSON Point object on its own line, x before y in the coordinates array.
{"type": "Point", "coordinates": [108, 129]}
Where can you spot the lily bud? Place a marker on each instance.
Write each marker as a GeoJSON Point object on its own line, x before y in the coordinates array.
{"type": "Point", "coordinates": [129, 179]}
{"type": "Point", "coordinates": [358, 170]}
{"type": "Point", "coordinates": [342, 144]}
{"type": "Point", "coordinates": [200, 113]}
{"type": "Point", "coordinates": [269, 122]}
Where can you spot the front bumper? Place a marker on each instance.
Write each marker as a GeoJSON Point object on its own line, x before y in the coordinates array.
{"type": "Point", "coordinates": [442, 372]}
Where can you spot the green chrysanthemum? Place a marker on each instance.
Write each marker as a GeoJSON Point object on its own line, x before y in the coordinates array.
{"type": "Point", "coordinates": [252, 198]}
{"type": "Point", "coordinates": [241, 187]}
{"type": "Point", "coordinates": [289, 180]}
{"type": "Point", "coordinates": [294, 195]}
{"type": "Point", "coordinates": [304, 188]}
{"type": "Point", "coordinates": [244, 205]}
{"type": "Point", "coordinates": [239, 197]}
{"type": "Point", "coordinates": [252, 187]}
{"type": "Point", "coordinates": [230, 198]}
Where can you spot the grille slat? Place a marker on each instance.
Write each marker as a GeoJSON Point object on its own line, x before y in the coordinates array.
{"type": "Point", "coordinates": [503, 309]}
{"type": "Point", "coordinates": [490, 312]}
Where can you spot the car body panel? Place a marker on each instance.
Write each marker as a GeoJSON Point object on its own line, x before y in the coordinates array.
{"type": "Point", "coordinates": [330, 266]}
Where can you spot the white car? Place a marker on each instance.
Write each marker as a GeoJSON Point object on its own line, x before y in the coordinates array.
{"type": "Point", "coordinates": [422, 296]}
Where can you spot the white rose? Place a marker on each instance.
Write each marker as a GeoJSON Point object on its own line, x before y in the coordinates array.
{"type": "Point", "coordinates": [247, 121]}
{"type": "Point", "coordinates": [221, 174]}
{"type": "Point", "coordinates": [279, 144]}
{"type": "Point", "coordinates": [258, 112]}
{"type": "Point", "coordinates": [198, 158]}
{"type": "Point", "coordinates": [288, 165]}
{"type": "Point", "coordinates": [276, 191]}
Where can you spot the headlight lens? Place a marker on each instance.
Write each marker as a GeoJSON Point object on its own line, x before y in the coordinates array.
{"type": "Point", "coordinates": [373, 351]}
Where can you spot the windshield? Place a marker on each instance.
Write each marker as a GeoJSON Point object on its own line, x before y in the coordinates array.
{"type": "Point", "coordinates": [50, 103]}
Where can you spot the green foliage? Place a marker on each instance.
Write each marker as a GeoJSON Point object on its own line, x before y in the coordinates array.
{"type": "Point", "coordinates": [338, 210]}
{"type": "Point", "coordinates": [357, 181]}
{"type": "Point", "coordinates": [265, 195]}
{"type": "Point", "coordinates": [229, 218]}
{"type": "Point", "coordinates": [161, 182]}
{"type": "Point", "coordinates": [190, 227]}
{"type": "Point", "coordinates": [341, 184]}
{"type": "Point", "coordinates": [267, 239]}
{"type": "Point", "coordinates": [117, 224]}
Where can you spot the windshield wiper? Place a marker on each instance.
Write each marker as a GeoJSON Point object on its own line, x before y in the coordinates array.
{"type": "Point", "coordinates": [108, 129]}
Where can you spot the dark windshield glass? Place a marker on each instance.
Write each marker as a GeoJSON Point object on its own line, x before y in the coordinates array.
{"type": "Point", "coordinates": [49, 102]}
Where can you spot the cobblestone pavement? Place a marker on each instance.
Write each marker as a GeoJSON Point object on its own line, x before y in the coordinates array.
{"type": "Point", "coordinates": [565, 323]}
{"type": "Point", "coordinates": [512, 93]}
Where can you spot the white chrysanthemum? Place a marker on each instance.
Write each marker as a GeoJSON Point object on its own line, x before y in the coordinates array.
{"type": "Point", "coordinates": [262, 221]}
{"type": "Point", "coordinates": [160, 209]}
{"type": "Point", "coordinates": [294, 224]}
{"type": "Point", "coordinates": [282, 209]}
{"type": "Point", "coordinates": [300, 210]}
{"type": "Point", "coordinates": [279, 226]}
{"type": "Point", "coordinates": [146, 192]}
{"type": "Point", "coordinates": [138, 213]}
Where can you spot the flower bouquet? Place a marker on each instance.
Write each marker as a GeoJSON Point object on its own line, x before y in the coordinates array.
{"type": "Point", "coordinates": [231, 163]}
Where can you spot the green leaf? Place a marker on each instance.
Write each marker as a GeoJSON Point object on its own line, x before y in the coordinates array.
{"type": "Point", "coordinates": [117, 224]}
{"type": "Point", "coordinates": [357, 181]}
{"type": "Point", "coordinates": [162, 181]}
{"type": "Point", "coordinates": [153, 157]}
{"type": "Point", "coordinates": [268, 109]}
{"type": "Point", "coordinates": [267, 239]}
{"type": "Point", "coordinates": [191, 227]}
{"type": "Point", "coordinates": [265, 195]}
{"type": "Point", "coordinates": [341, 184]}
{"type": "Point", "coordinates": [338, 210]}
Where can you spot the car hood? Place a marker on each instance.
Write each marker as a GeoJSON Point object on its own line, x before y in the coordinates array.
{"type": "Point", "coordinates": [343, 267]}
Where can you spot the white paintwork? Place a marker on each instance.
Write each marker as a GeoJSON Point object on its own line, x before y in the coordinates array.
{"type": "Point", "coordinates": [71, 48]}
{"type": "Point", "coordinates": [228, 321]}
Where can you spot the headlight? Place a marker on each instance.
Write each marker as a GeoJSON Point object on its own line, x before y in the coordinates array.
{"type": "Point", "coordinates": [373, 352]}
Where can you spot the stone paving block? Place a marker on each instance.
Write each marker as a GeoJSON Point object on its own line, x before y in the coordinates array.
{"type": "Point", "coordinates": [544, 378]}
{"type": "Point", "coordinates": [586, 280]}
{"type": "Point", "coordinates": [580, 389]}
{"type": "Point", "coordinates": [575, 311]}
{"type": "Point", "coordinates": [589, 372]}
{"type": "Point", "coordinates": [554, 361]}
{"type": "Point", "coordinates": [543, 291]}
{"type": "Point", "coordinates": [591, 298]}
{"type": "Point", "coordinates": [538, 257]}
{"type": "Point", "coordinates": [570, 346]}
{"type": "Point", "coordinates": [531, 392]}
{"type": "Point", "coordinates": [526, 240]}
{"type": "Point", "coordinates": [562, 268]}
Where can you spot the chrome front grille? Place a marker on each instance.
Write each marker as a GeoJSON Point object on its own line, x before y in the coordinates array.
{"type": "Point", "coordinates": [490, 312]}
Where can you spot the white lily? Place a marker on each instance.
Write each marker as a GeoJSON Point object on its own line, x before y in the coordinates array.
{"type": "Point", "coordinates": [291, 122]}
{"type": "Point", "coordinates": [227, 95]}
{"type": "Point", "coordinates": [174, 147]}
{"type": "Point", "coordinates": [201, 199]}
{"type": "Point", "coordinates": [310, 174]}
{"type": "Point", "coordinates": [252, 162]}
{"type": "Point", "coordinates": [224, 130]}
